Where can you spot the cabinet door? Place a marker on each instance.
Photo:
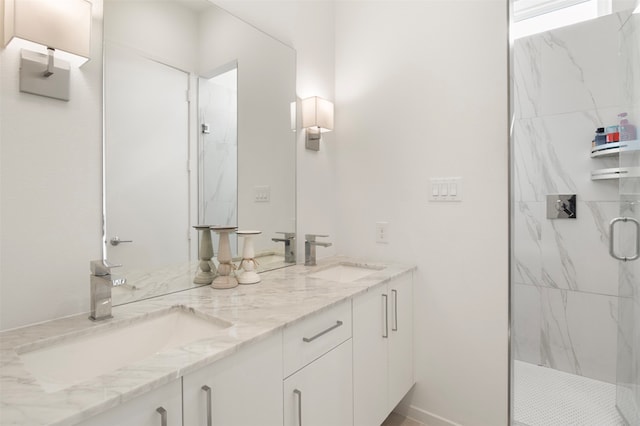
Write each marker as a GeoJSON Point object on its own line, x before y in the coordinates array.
{"type": "Point", "coordinates": [244, 389]}
{"type": "Point", "coordinates": [321, 393]}
{"type": "Point", "coordinates": [370, 379]}
{"type": "Point", "coordinates": [400, 338]}
{"type": "Point", "coordinates": [142, 411]}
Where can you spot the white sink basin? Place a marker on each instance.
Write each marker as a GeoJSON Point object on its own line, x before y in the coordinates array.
{"type": "Point", "coordinates": [73, 360]}
{"type": "Point", "coordinates": [344, 273]}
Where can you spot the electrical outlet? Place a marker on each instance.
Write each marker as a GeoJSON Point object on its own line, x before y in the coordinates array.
{"type": "Point", "coordinates": [382, 232]}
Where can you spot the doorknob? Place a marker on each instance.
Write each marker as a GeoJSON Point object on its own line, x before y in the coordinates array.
{"type": "Point", "coordinates": [116, 240]}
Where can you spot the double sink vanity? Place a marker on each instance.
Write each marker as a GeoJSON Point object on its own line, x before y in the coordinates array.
{"type": "Point", "coordinates": [324, 345]}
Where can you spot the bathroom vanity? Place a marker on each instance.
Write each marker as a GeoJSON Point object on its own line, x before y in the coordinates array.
{"type": "Point", "coordinates": [324, 345]}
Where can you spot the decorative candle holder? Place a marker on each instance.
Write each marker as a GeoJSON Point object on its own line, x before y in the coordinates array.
{"type": "Point", "coordinates": [249, 263]}
{"type": "Point", "coordinates": [225, 266]}
{"type": "Point", "coordinates": [207, 268]}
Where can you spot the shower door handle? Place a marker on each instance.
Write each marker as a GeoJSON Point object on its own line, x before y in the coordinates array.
{"type": "Point", "coordinates": [612, 251]}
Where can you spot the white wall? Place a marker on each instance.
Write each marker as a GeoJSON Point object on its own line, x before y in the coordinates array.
{"type": "Point", "coordinates": [50, 191]}
{"type": "Point", "coordinates": [421, 91]}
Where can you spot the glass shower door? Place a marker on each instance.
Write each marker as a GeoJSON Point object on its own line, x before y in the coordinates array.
{"type": "Point", "coordinates": [625, 238]}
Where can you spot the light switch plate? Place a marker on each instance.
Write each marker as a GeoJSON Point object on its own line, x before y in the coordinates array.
{"type": "Point", "coordinates": [262, 194]}
{"type": "Point", "coordinates": [445, 189]}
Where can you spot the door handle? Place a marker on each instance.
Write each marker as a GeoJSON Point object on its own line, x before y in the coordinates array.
{"type": "Point", "coordinates": [386, 316]}
{"type": "Point", "coordinates": [207, 391]}
{"type": "Point", "coordinates": [114, 241]}
{"type": "Point", "coordinates": [299, 394]}
{"type": "Point", "coordinates": [612, 251]}
{"type": "Point", "coordinates": [394, 326]}
{"type": "Point", "coordinates": [163, 415]}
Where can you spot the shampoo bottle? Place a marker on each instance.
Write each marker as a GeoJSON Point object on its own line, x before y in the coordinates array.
{"type": "Point", "coordinates": [627, 131]}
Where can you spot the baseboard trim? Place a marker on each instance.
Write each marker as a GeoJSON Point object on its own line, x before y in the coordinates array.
{"type": "Point", "coordinates": [424, 417]}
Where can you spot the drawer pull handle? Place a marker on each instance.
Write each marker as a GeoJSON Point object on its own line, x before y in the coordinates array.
{"type": "Point", "coordinates": [207, 391]}
{"type": "Point", "coordinates": [322, 333]}
{"type": "Point", "coordinates": [163, 415]}
{"type": "Point", "coordinates": [299, 393]}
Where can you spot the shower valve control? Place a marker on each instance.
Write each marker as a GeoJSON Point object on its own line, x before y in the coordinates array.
{"type": "Point", "coordinates": [561, 206]}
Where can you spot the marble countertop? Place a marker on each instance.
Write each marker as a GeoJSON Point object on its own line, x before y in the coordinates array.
{"type": "Point", "coordinates": [284, 297]}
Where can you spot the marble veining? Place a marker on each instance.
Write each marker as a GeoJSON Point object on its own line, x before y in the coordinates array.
{"type": "Point", "coordinates": [284, 297]}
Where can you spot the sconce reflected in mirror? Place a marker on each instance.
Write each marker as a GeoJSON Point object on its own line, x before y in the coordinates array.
{"type": "Point", "coordinates": [53, 35]}
{"type": "Point", "coordinates": [317, 118]}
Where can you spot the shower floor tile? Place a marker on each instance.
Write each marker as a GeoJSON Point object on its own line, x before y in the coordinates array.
{"type": "Point", "coordinates": [547, 397]}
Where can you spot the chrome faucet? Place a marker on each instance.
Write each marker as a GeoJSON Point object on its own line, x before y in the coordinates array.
{"type": "Point", "coordinates": [101, 283]}
{"type": "Point", "coordinates": [310, 244]}
{"type": "Point", "coordinates": [289, 241]}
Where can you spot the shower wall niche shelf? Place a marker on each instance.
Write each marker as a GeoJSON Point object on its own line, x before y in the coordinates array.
{"type": "Point", "coordinates": [615, 173]}
{"type": "Point", "coordinates": [613, 150]}
{"type": "Point", "coordinates": [607, 150]}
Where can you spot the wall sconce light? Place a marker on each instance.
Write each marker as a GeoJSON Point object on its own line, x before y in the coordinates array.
{"type": "Point", "coordinates": [60, 26]}
{"type": "Point", "coordinates": [317, 118]}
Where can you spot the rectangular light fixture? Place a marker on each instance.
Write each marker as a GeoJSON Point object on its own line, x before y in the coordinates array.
{"type": "Point", "coordinates": [44, 29]}
{"type": "Point", "coordinates": [317, 118]}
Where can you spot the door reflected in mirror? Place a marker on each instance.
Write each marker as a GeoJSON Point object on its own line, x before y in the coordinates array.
{"type": "Point", "coordinates": [217, 104]}
{"type": "Point", "coordinates": [197, 130]}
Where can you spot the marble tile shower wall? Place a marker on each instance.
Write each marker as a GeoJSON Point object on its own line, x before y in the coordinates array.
{"type": "Point", "coordinates": [219, 153]}
{"type": "Point", "coordinates": [566, 84]}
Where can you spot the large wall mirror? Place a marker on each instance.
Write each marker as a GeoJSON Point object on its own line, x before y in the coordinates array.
{"type": "Point", "coordinates": [197, 130]}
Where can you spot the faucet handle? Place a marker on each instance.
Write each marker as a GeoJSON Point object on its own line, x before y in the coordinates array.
{"type": "Point", "coordinates": [101, 267]}
{"type": "Point", "coordinates": [287, 235]}
{"type": "Point", "coordinates": [312, 237]}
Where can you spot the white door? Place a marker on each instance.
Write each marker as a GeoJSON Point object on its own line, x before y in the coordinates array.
{"type": "Point", "coordinates": [145, 410]}
{"type": "Point", "coordinates": [321, 394]}
{"type": "Point", "coordinates": [244, 389]}
{"type": "Point", "coordinates": [370, 380]}
{"type": "Point", "coordinates": [400, 338]}
{"type": "Point", "coordinates": [146, 153]}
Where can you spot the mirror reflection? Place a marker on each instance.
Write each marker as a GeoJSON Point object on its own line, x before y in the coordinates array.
{"type": "Point", "coordinates": [197, 130]}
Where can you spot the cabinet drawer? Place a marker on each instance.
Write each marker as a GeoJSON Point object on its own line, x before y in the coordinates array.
{"type": "Point", "coordinates": [315, 336]}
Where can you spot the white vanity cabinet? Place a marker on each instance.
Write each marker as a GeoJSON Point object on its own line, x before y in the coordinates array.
{"type": "Point", "coordinates": [318, 363]}
{"type": "Point", "coordinates": [321, 393]}
{"type": "Point", "coordinates": [349, 364]}
{"type": "Point", "coordinates": [244, 389]}
{"type": "Point", "coordinates": [160, 407]}
{"type": "Point", "coordinates": [382, 349]}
